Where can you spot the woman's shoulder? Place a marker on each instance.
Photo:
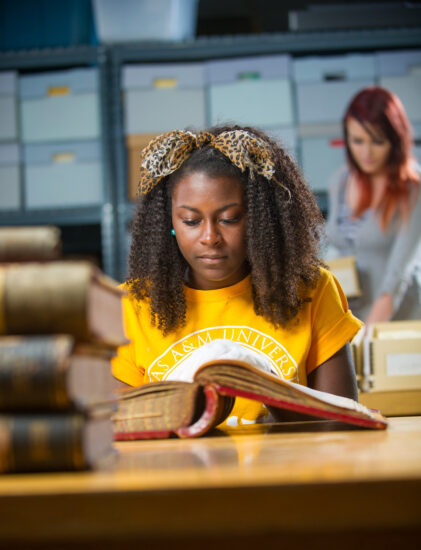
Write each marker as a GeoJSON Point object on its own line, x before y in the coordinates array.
{"type": "Point", "coordinates": [323, 279]}
{"type": "Point", "coordinates": [328, 280]}
{"type": "Point", "coordinates": [330, 293]}
{"type": "Point", "coordinates": [130, 295]}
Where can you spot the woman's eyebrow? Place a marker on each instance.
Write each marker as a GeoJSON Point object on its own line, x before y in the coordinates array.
{"type": "Point", "coordinates": [221, 209]}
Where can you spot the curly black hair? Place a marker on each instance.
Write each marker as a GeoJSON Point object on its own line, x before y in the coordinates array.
{"type": "Point", "coordinates": [283, 230]}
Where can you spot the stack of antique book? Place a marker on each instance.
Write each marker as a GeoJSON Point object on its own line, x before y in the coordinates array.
{"type": "Point", "coordinates": [60, 323]}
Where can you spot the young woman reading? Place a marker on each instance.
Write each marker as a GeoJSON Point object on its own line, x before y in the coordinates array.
{"type": "Point", "coordinates": [225, 245]}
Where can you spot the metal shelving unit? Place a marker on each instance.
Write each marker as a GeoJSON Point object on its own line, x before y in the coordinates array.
{"type": "Point", "coordinates": [271, 43]}
{"type": "Point", "coordinates": [293, 43]}
{"type": "Point", "coordinates": [104, 214]}
{"type": "Point", "coordinates": [115, 212]}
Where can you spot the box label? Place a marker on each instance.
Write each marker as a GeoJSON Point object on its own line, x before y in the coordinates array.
{"type": "Point", "coordinates": [403, 364]}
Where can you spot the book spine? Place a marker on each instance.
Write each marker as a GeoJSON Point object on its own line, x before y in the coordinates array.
{"type": "Point", "coordinates": [211, 416]}
{"type": "Point", "coordinates": [46, 298]}
{"type": "Point", "coordinates": [36, 443]}
{"type": "Point", "coordinates": [23, 244]}
{"type": "Point", "coordinates": [33, 373]}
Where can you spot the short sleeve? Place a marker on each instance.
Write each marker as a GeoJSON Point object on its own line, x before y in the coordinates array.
{"type": "Point", "coordinates": [124, 365]}
{"type": "Point", "coordinates": [333, 324]}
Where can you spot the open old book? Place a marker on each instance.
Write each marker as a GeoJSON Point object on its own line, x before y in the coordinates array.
{"type": "Point", "coordinates": [203, 396]}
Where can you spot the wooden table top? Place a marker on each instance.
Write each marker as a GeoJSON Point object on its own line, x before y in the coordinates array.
{"type": "Point", "coordinates": [311, 475]}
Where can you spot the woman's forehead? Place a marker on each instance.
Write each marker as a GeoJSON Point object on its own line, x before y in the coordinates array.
{"type": "Point", "coordinates": [198, 185]}
{"type": "Point", "coordinates": [366, 128]}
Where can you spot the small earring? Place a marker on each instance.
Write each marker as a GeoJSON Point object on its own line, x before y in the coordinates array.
{"type": "Point", "coordinates": [173, 232]}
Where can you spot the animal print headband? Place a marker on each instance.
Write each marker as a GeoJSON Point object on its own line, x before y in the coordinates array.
{"type": "Point", "coordinates": [166, 153]}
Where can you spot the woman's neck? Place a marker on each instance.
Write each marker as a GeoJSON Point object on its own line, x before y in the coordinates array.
{"type": "Point", "coordinates": [378, 184]}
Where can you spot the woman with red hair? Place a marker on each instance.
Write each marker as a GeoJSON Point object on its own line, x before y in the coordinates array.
{"type": "Point", "coordinates": [375, 203]}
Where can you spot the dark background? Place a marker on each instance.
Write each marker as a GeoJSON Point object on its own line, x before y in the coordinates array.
{"type": "Point", "coordinates": [27, 24]}
{"type": "Point", "coordinates": [262, 16]}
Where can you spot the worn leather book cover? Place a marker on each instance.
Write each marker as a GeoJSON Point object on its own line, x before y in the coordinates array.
{"type": "Point", "coordinates": [53, 373]}
{"type": "Point", "coordinates": [61, 297]}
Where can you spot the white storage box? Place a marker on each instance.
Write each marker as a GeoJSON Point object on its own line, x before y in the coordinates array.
{"type": "Point", "coordinates": [62, 105]}
{"type": "Point", "coordinates": [325, 85]}
{"type": "Point", "coordinates": [400, 72]}
{"type": "Point", "coordinates": [10, 197]}
{"type": "Point", "coordinates": [63, 175]}
{"type": "Point", "coordinates": [251, 90]}
{"type": "Point", "coordinates": [163, 97]}
{"type": "Point", "coordinates": [320, 158]}
{"type": "Point", "coordinates": [131, 20]}
{"type": "Point", "coordinates": [8, 107]}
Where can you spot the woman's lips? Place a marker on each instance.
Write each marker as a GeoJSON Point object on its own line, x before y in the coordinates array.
{"type": "Point", "coordinates": [212, 260]}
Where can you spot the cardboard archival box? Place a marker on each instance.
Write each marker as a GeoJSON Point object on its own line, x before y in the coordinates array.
{"type": "Point", "coordinates": [392, 356]}
{"type": "Point", "coordinates": [345, 271]}
{"type": "Point", "coordinates": [135, 143]}
{"type": "Point", "coordinates": [393, 402]}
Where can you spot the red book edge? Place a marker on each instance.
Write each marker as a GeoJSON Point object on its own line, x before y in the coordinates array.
{"type": "Point", "coordinates": [376, 423]}
{"type": "Point", "coordinates": [208, 418]}
{"type": "Point", "coordinates": [146, 434]}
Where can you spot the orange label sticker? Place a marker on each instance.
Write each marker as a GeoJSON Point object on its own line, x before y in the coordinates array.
{"type": "Point", "coordinates": [58, 90]}
{"type": "Point", "coordinates": [165, 83]}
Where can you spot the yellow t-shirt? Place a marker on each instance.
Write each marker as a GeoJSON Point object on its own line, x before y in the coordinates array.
{"type": "Point", "coordinates": [323, 326]}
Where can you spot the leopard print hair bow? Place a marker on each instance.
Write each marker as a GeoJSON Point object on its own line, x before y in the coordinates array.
{"type": "Point", "coordinates": [166, 153]}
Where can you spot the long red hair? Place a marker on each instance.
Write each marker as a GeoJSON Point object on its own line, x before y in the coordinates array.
{"type": "Point", "coordinates": [384, 111]}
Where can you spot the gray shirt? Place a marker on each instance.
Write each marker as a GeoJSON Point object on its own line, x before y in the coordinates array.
{"type": "Point", "coordinates": [381, 256]}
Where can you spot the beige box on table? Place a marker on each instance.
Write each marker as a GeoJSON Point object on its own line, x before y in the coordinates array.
{"type": "Point", "coordinates": [392, 355]}
{"type": "Point", "coordinates": [345, 271]}
{"type": "Point", "coordinates": [392, 368]}
{"type": "Point", "coordinates": [394, 402]}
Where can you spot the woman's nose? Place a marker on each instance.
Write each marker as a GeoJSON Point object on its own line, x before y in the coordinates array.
{"type": "Point", "coordinates": [369, 148]}
{"type": "Point", "coordinates": [210, 234]}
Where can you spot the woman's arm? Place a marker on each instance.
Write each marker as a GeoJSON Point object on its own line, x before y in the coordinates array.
{"type": "Point", "coordinates": [381, 310]}
{"type": "Point", "coordinates": [336, 375]}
